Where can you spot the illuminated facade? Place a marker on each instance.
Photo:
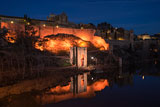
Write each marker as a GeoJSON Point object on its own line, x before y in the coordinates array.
{"type": "Point", "coordinates": [78, 56]}
{"type": "Point", "coordinates": [56, 24]}
{"type": "Point", "coordinates": [144, 37]}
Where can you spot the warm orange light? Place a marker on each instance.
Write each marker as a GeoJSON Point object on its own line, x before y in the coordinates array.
{"type": "Point", "coordinates": [44, 25]}
{"type": "Point", "coordinates": [12, 22]}
{"type": "Point", "coordinates": [37, 46]}
{"type": "Point", "coordinates": [59, 44]}
{"type": "Point", "coordinates": [110, 38]}
{"type": "Point", "coordinates": [10, 37]}
{"type": "Point", "coordinates": [61, 93]}
{"type": "Point", "coordinates": [100, 85]}
{"type": "Point", "coordinates": [84, 34]}
{"type": "Point", "coordinates": [28, 23]}
{"type": "Point", "coordinates": [55, 45]}
{"type": "Point", "coordinates": [60, 89]}
{"type": "Point", "coordinates": [100, 43]}
{"type": "Point", "coordinates": [143, 77]}
{"type": "Point", "coordinates": [57, 26]}
{"type": "Point", "coordinates": [120, 38]}
{"type": "Point", "coordinates": [83, 44]}
{"type": "Point", "coordinates": [86, 37]}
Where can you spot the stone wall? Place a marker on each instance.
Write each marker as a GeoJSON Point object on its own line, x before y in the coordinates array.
{"type": "Point", "coordinates": [78, 56]}
{"type": "Point", "coordinates": [42, 31]}
{"type": "Point", "coordinates": [13, 27]}
{"type": "Point", "coordinates": [120, 43]}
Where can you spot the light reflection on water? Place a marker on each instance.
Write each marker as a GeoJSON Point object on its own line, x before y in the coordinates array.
{"type": "Point", "coordinates": [78, 87]}
{"type": "Point", "coordinates": [120, 88]}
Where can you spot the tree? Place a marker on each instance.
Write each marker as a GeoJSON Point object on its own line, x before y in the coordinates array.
{"type": "Point", "coordinates": [3, 33]}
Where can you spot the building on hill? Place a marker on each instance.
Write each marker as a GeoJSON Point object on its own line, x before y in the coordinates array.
{"type": "Point", "coordinates": [148, 45]}
{"type": "Point", "coordinates": [60, 24]}
{"type": "Point", "coordinates": [143, 37]}
{"type": "Point", "coordinates": [42, 27]}
{"type": "Point", "coordinates": [58, 19]}
{"type": "Point", "coordinates": [156, 36]}
{"type": "Point", "coordinates": [107, 31]}
{"type": "Point", "coordinates": [53, 20]}
{"type": "Point", "coordinates": [61, 19]}
{"type": "Point", "coordinates": [116, 37]}
{"type": "Point", "coordinates": [149, 37]}
{"type": "Point", "coordinates": [86, 26]}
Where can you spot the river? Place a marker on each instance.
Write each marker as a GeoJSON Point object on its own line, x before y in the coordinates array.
{"type": "Point", "coordinates": [124, 88]}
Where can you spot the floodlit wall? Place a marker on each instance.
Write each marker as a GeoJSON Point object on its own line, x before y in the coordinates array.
{"type": "Point", "coordinates": [42, 31]}
{"type": "Point", "coordinates": [78, 56]}
{"type": "Point", "coordinates": [13, 27]}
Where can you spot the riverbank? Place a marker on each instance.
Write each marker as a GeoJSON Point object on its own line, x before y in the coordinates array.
{"type": "Point", "coordinates": [49, 78]}
{"type": "Point", "coordinates": [40, 82]}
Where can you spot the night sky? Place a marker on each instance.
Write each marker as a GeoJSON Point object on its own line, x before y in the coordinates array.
{"type": "Point", "coordinates": [143, 16]}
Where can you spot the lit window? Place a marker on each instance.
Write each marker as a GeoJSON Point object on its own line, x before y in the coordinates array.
{"type": "Point", "coordinates": [120, 38]}
{"type": "Point", "coordinates": [28, 23]}
{"type": "Point", "coordinates": [110, 38]}
{"type": "Point", "coordinates": [82, 28]}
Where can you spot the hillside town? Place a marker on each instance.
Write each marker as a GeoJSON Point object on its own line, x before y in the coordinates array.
{"type": "Point", "coordinates": [115, 37]}
{"type": "Point", "coordinates": [29, 47]}
{"type": "Point", "coordinates": [56, 60]}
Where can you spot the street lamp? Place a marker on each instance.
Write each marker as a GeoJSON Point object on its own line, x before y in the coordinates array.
{"type": "Point", "coordinates": [12, 22]}
{"type": "Point", "coordinates": [92, 57]}
{"type": "Point", "coordinates": [44, 25]}
{"type": "Point", "coordinates": [57, 26]}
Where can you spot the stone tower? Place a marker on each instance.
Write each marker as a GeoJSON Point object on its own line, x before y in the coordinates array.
{"type": "Point", "coordinates": [78, 83]}
{"type": "Point", "coordinates": [78, 56]}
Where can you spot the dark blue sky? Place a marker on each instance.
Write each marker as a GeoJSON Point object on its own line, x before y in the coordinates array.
{"type": "Point", "coordinates": [143, 16]}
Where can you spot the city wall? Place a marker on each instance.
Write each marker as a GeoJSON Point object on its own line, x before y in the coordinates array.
{"type": "Point", "coordinates": [42, 31]}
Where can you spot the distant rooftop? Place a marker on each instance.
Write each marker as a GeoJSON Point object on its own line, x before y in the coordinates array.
{"type": "Point", "coordinates": [17, 17]}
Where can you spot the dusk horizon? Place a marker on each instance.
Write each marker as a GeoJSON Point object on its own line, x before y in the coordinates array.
{"type": "Point", "coordinates": [140, 16]}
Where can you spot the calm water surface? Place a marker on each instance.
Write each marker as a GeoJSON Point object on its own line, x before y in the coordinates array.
{"type": "Point", "coordinates": [123, 88]}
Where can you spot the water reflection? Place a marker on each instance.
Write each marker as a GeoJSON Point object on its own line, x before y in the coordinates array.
{"type": "Point", "coordinates": [78, 87]}
{"type": "Point", "coordinates": [109, 85]}
{"type": "Point", "coordinates": [78, 83]}
{"type": "Point", "coordinates": [124, 78]}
